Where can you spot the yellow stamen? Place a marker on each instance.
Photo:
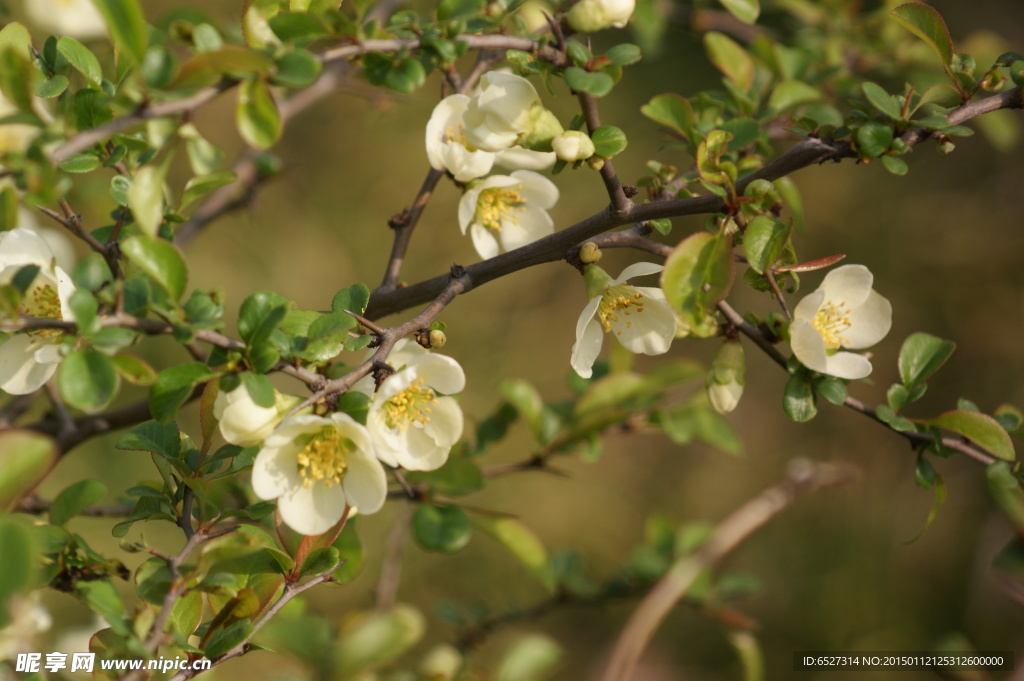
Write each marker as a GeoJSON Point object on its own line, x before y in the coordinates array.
{"type": "Point", "coordinates": [323, 458]}
{"type": "Point", "coordinates": [42, 301]}
{"type": "Point", "coordinates": [621, 298]}
{"type": "Point", "coordinates": [499, 203]}
{"type": "Point", "coordinates": [831, 321]}
{"type": "Point", "coordinates": [410, 406]}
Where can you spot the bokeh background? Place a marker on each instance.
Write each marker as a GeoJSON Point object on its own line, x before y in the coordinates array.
{"type": "Point", "coordinates": [836, 572]}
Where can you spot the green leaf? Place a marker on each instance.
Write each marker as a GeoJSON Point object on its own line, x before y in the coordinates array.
{"type": "Point", "coordinates": [207, 68]}
{"type": "Point", "coordinates": [25, 457]}
{"type": "Point", "coordinates": [256, 115]}
{"type": "Point", "coordinates": [792, 93]}
{"type": "Point", "coordinates": [186, 613]}
{"type": "Point", "coordinates": [74, 499]}
{"type": "Point", "coordinates": [608, 141]}
{"type": "Point", "coordinates": [127, 25]}
{"type": "Point", "coordinates": [882, 100]}
{"type": "Point", "coordinates": [375, 639]}
{"type": "Point", "coordinates": [698, 274]}
{"type": "Point", "coordinates": [673, 111]}
{"type": "Point", "coordinates": [134, 369]}
{"type": "Point", "coordinates": [798, 400]}
{"type": "Point", "coordinates": [921, 356]}
{"type": "Point", "coordinates": [355, 298]}
{"type": "Point", "coordinates": [897, 396]}
{"type": "Point", "coordinates": [832, 389]}
{"type": "Point", "coordinates": [259, 315]}
{"type": "Point", "coordinates": [624, 54]}
{"type": "Point", "coordinates": [887, 415]}
{"type": "Point", "coordinates": [160, 260]}
{"type": "Point", "coordinates": [730, 58]}
{"type": "Point", "coordinates": [405, 76]}
{"type": "Point", "coordinates": [298, 69]}
{"type": "Point", "coordinates": [160, 67]}
{"type": "Point", "coordinates": [297, 27]}
{"type": "Point", "coordinates": [927, 24]}
{"type": "Point", "coordinates": [445, 529]}
{"type": "Point", "coordinates": [873, 139]}
{"type": "Point", "coordinates": [82, 58]}
{"type": "Point", "coordinates": [764, 241]}
{"type": "Point", "coordinates": [200, 186]}
{"type": "Point", "coordinates": [80, 163]}
{"type": "Point", "coordinates": [596, 83]}
{"type": "Point", "coordinates": [523, 544]}
{"type": "Point", "coordinates": [53, 86]}
{"type": "Point", "coordinates": [17, 569]}
{"type": "Point", "coordinates": [173, 387]}
{"type": "Point", "coordinates": [320, 560]}
{"type": "Point", "coordinates": [532, 658]}
{"type": "Point", "coordinates": [87, 379]}
{"type": "Point", "coordinates": [746, 11]}
{"type": "Point", "coordinates": [259, 387]}
{"type": "Point", "coordinates": [895, 165]}
{"type": "Point", "coordinates": [146, 197]}
{"type": "Point", "coordinates": [152, 436]}
{"type": "Point", "coordinates": [527, 401]}
{"type": "Point", "coordinates": [223, 640]}
{"type": "Point", "coordinates": [16, 73]}
{"type": "Point", "coordinates": [981, 429]}
{"type": "Point", "coordinates": [119, 188]}
{"type": "Point", "coordinates": [927, 478]}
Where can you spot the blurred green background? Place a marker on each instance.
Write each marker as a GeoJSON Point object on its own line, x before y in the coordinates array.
{"type": "Point", "coordinates": [945, 244]}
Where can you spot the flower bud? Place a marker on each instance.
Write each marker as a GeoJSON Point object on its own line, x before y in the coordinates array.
{"type": "Point", "coordinates": [725, 380]}
{"type": "Point", "coordinates": [588, 16]}
{"type": "Point", "coordinates": [245, 423]}
{"type": "Point", "coordinates": [590, 253]}
{"type": "Point", "coordinates": [441, 662]}
{"type": "Point", "coordinates": [596, 162]}
{"type": "Point", "coordinates": [543, 127]}
{"type": "Point", "coordinates": [437, 339]}
{"type": "Point", "coordinates": [572, 146]}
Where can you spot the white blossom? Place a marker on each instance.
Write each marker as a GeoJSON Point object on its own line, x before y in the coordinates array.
{"type": "Point", "coordinates": [588, 16]}
{"type": "Point", "coordinates": [640, 317]}
{"type": "Point", "coordinates": [244, 423]}
{"type": "Point", "coordinates": [573, 145]}
{"type": "Point", "coordinates": [504, 212]}
{"type": "Point", "coordinates": [447, 148]}
{"type": "Point", "coordinates": [505, 111]}
{"type": "Point", "coordinates": [412, 420]}
{"type": "Point", "coordinates": [75, 18]}
{"type": "Point", "coordinates": [29, 358]}
{"type": "Point", "coordinates": [725, 380]}
{"type": "Point", "coordinates": [844, 312]}
{"type": "Point", "coordinates": [315, 466]}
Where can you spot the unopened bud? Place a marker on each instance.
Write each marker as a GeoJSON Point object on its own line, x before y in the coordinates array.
{"type": "Point", "coordinates": [437, 339]}
{"type": "Point", "coordinates": [573, 145]}
{"type": "Point", "coordinates": [596, 162]}
{"type": "Point", "coordinates": [725, 380]}
{"type": "Point", "coordinates": [590, 253]}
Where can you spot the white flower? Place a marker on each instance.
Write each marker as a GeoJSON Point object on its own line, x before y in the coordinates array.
{"type": "Point", "coordinates": [517, 158]}
{"type": "Point", "coordinates": [315, 466]}
{"type": "Point", "coordinates": [447, 148]}
{"type": "Point", "coordinates": [504, 212]}
{"type": "Point", "coordinates": [411, 424]}
{"type": "Point", "coordinates": [507, 110]}
{"type": "Point", "coordinates": [844, 312]}
{"type": "Point", "coordinates": [640, 316]}
{"type": "Point", "coordinates": [588, 16]}
{"type": "Point", "coordinates": [75, 18]}
{"type": "Point", "coordinates": [28, 359]}
{"type": "Point", "coordinates": [725, 380]}
{"type": "Point", "coordinates": [573, 145]}
{"type": "Point", "coordinates": [244, 423]}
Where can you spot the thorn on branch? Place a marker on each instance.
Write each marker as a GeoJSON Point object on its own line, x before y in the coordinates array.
{"type": "Point", "coordinates": [629, 190]}
{"type": "Point", "coordinates": [380, 373]}
{"type": "Point", "coordinates": [457, 271]}
{"type": "Point", "coordinates": [399, 220]}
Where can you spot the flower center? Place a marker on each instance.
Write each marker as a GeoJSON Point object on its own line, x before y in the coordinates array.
{"type": "Point", "coordinates": [409, 407]}
{"type": "Point", "coordinates": [43, 302]}
{"type": "Point", "coordinates": [621, 298]}
{"type": "Point", "coordinates": [457, 136]}
{"type": "Point", "coordinates": [830, 321]}
{"type": "Point", "coordinates": [323, 458]}
{"type": "Point", "coordinates": [499, 203]}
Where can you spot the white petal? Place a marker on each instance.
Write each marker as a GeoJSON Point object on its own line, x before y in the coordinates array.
{"type": "Point", "coordinates": [637, 269]}
{"type": "Point", "coordinates": [587, 348]}
{"type": "Point", "coordinates": [847, 365]}
{"type": "Point", "coordinates": [518, 158]}
{"type": "Point", "coordinates": [366, 484]}
{"type": "Point", "coordinates": [387, 443]}
{"type": "Point", "coordinates": [422, 453]}
{"type": "Point", "coordinates": [65, 289]}
{"type": "Point", "coordinates": [467, 207]}
{"type": "Point", "coordinates": [649, 332]}
{"type": "Point", "coordinates": [445, 424]}
{"type": "Point", "coordinates": [440, 372]}
{"type": "Point", "coordinates": [530, 224]}
{"type": "Point", "coordinates": [849, 284]}
{"type": "Point", "coordinates": [20, 372]}
{"type": "Point", "coordinates": [483, 241]}
{"type": "Point", "coordinates": [447, 114]}
{"type": "Point", "coordinates": [537, 189]}
{"type": "Point", "coordinates": [808, 345]}
{"type": "Point", "coordinates": [809, 305]}
{"type": "Point", "coordinates": [276, 470]}
{"type": "Point", "coordinates": [20, 247]}
{"type": "Point", "coordinates": [869, 323]}
{"type": "Point", "coordinates": [312, 510]}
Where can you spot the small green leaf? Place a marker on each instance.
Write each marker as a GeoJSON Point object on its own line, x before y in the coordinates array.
{"type": "Point", "coordinates": [223, 640]}
{"type": "Point", "coordinates": [16, 74]}
{"type": "Point", "coordinates": [897, 396]}
{"type": "Point", "coordinates": [25, 457]}
{"type": "Point", "coordinates": [596, 83]}
{"type": "Point", "coordinates": [87, 379]}
{"type": "Point", "coordinates": [763, 241]}
{"type": "Point", "coordinates": [981, 429]}
{"type": "Point", "coordinates": [298, 69]}
{"type": "Point", "coordinates": [887, 415]}
{"type": "Point", "coordinates": [523, 544]}
{"type": "Point", "coordinates": [120, 186]}
{"type": "Point", "coordinates": [127, 25]}
{"type": "Point", "coordinates": [792, 93]}
{"type": "Point", "coordinates": [320, 560]}
{"type": "Point", "coordinates": [375, 639]}
{"type": "Point", "coordinates": [54, 86]}
{"type": "Point", "coordinates": [405, 76]}
{"type": "Point", "coordinates": [146, 197]}
{"type": "Point", "coordinates": [927, 24]}
{"type": "Point", "coordinates": [673, 111]}
{"type": "Point", "coordinates": [921, 356]}
{"type": "Point", "coordinates": [173, 387]}
{"type": "Point", "coordinates": [18, 568]}
{"type": "Point", "coordinates": [82, 58]}
{"type": "Point", "coordinates": [730, 58]}
{"type": "Point", "coordinates": [927, 478]}
{"type": "Point", "coordinates": [608, 141]}
{"type": "Point", "coordinates": [353, 299]}
{"type": "Point", "coordinates": [74, 499]}
{"type": "Point", "coordinates": [798, 400]}
{"type": "Point", "coordinates": [895, 165]}
{"type": "Point", "coordinates": [624, 54]}
{"type": "Point", "coordinates": [80, 163]}
{"type": "Point", "coordinates": [256, 115]}
{"type": "Point", "coordinates": [832, 389]}
{"type": "Point", "coordinates": [746, 11]}
{"type": "Point", "coordinates": [151, 436]}
{"type": "Point", "coordinates": [160, 260]}
{"type": "Point", "coordinates": [134, 369]}
{"type": "Point", "coordinates": [200, 186]}
{"type": "Point", "coordinates": [259, 387]}
{"type": "Point", "coordinates": [882, 100]}
{"type": "Point", "coordinates": [698, 274]}
{"type": "Point", "coordinates": [873, 139]}
{"type": "Point", "coordinates": [445, 529]}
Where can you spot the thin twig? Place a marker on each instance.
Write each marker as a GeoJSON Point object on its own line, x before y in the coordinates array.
{"type": "Point", "coordinates": [620, 203]}
{"type": "Point", "coordinates": [391, 568]}
{"type": "Point", "coordinates": [803, 477]}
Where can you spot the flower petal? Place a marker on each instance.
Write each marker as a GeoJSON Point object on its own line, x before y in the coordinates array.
{"type": "Point", "coordinates": [869, 323]}
{"type": "Point", "coordinates": [483, 241]}
{"type": "Point", "coordinates": [20, 247]}
{"type": "Point", "coordinates": [848, 365]}
{"type": "Point", "coordinates": [530, 224]}
{"type": "Point", "coordinates": [537, 189]}
{"type": "Point", "coordinates": [637, 269]}
{"type": "Point", "coordinates": [20, 372]}
{"type": "Point", "coordinates": [809, 305]}
{"type": "Point", "coordinates": [276, 470]}
{"type": "Point", "coordinates": [440, 372]}
{"type": "Point", "coordinates": [445, 424]}
{"type": "Point", "coordinates": [649, 332]}
{"type": "Point", "coordinates": [808, 345]}
{"type": "Point", "coordinates": [848, 284]}
{"type": "Point", "coordinates": [589, 338]}
{"type": "Point", "coordinates": [423, 453]}
{"type": "Point", "coordinates": [518, 158]}
{"type": "Point", "coordinates": [312, 510]}
{"type": "Point", "coordinates": [366, 485]}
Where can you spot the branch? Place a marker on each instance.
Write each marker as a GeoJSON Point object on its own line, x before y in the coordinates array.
{"type": "Point", "coordinates": [620, 202]}
{"type": "Point", "coordinates": [803, 477]}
